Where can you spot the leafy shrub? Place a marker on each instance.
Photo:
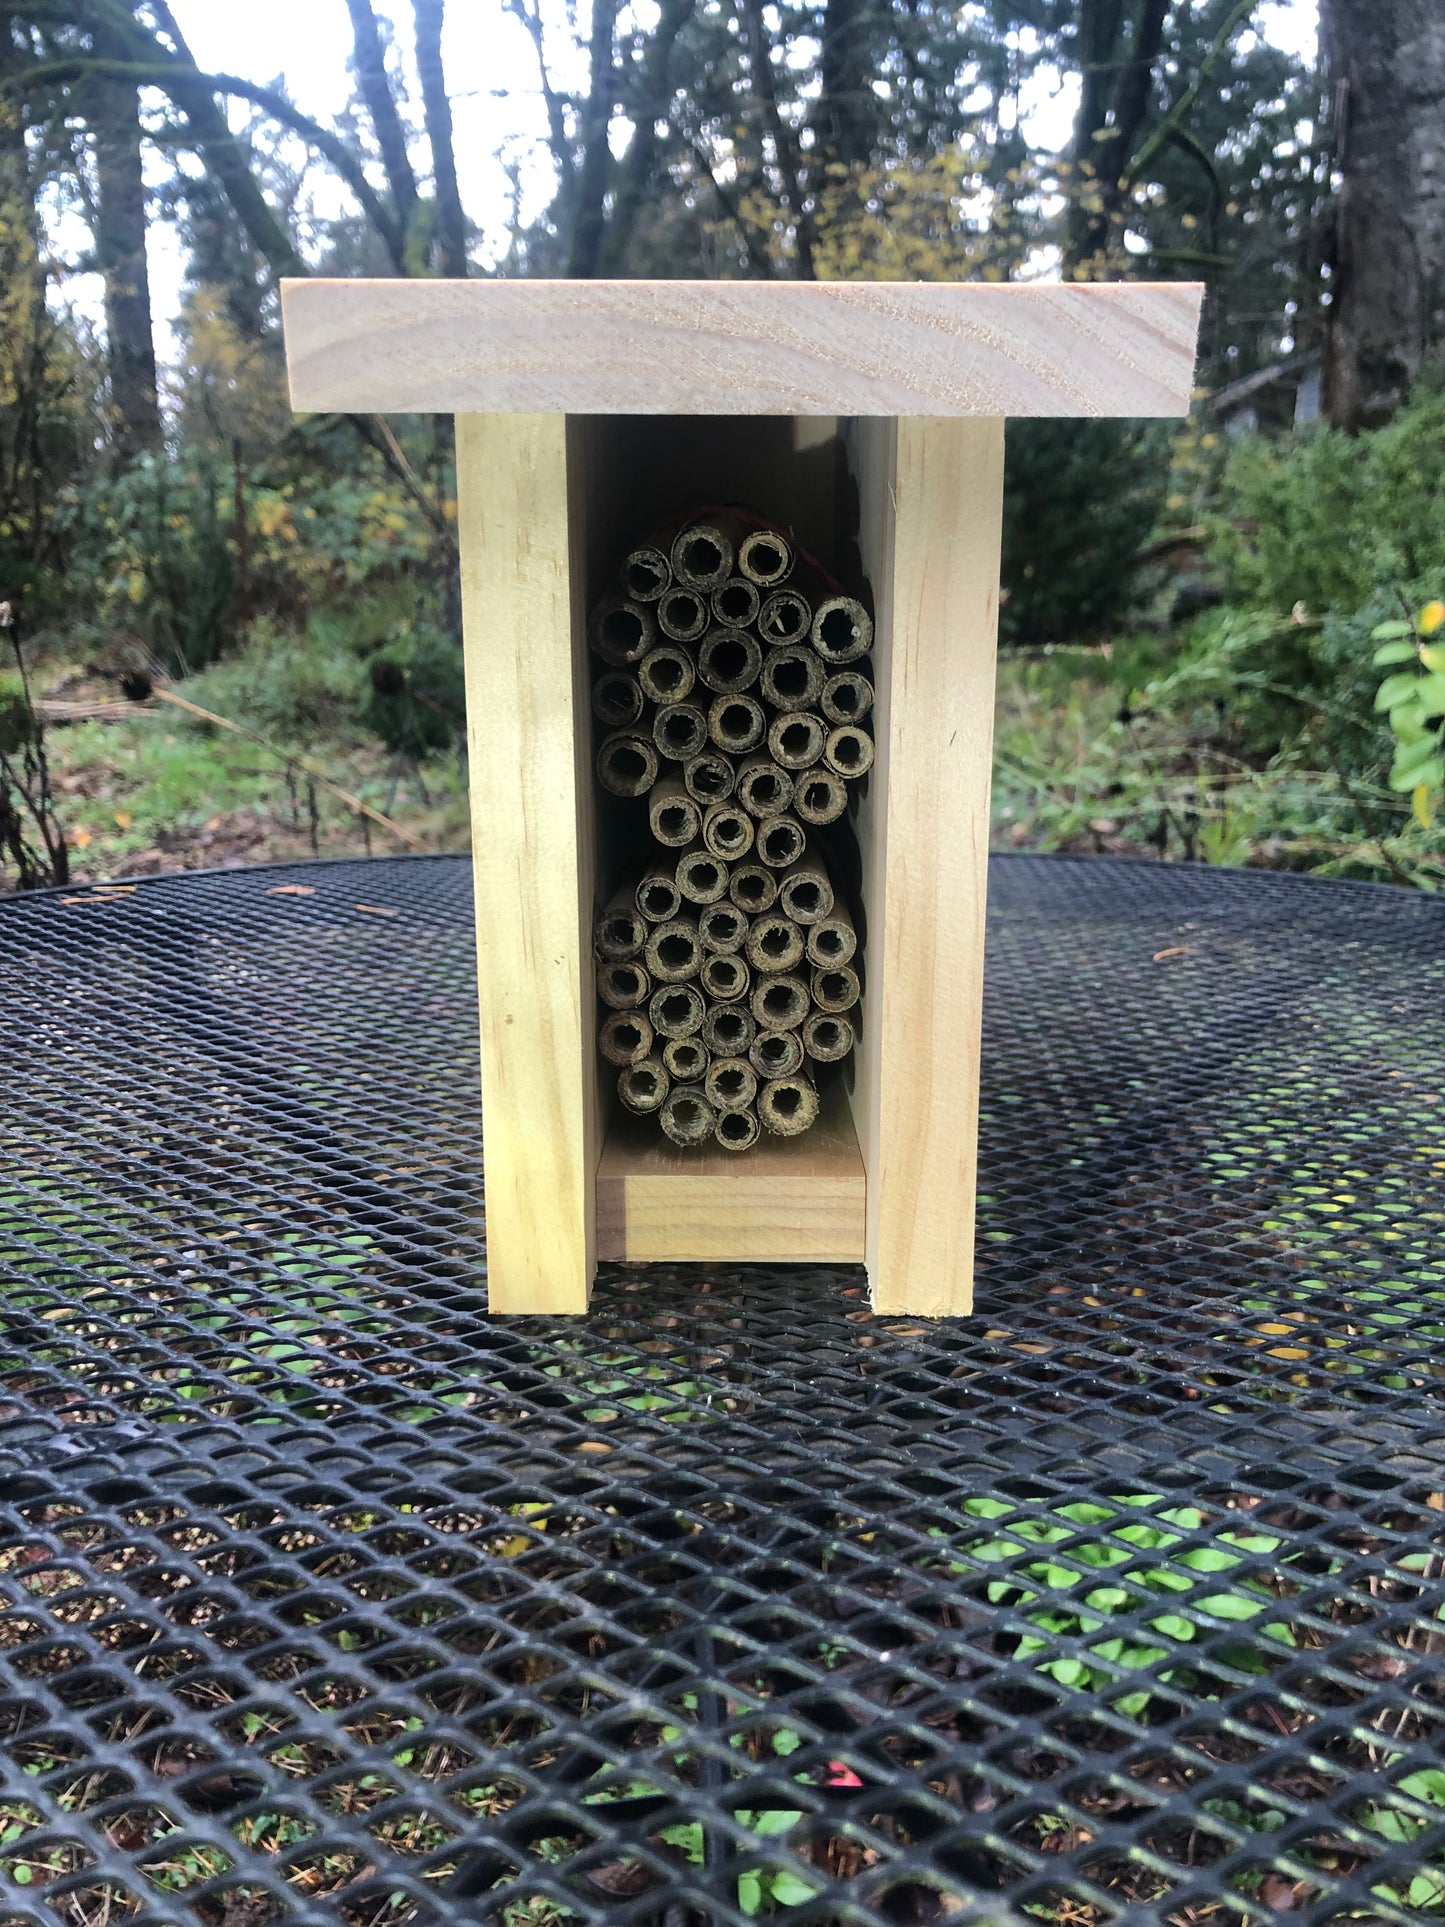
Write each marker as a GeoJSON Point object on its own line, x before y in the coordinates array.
{"type": "Point", "coordinates": [418, 695]}
{"type": "Point", "coordinates": [289, 687]}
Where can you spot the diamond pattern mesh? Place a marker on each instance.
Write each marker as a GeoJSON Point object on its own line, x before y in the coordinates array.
{"type": "Point", "coordinates": [325, 1598]}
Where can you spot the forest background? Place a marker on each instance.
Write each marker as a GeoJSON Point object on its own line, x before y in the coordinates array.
{"type": "Point", "coordinates": [227, 635]}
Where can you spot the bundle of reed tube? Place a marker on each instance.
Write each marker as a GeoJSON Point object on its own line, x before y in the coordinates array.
{"type": "Point", "coordinates": [731, 705]}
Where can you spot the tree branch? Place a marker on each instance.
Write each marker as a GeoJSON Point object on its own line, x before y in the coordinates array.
{"type": "Point", "coordinates": [437, 107]}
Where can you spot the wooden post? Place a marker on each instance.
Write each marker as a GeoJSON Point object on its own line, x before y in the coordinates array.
{"type": "Point", "coordinates": [869, 412]}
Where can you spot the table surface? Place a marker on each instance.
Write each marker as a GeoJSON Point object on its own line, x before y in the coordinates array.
{"type": "Point", "coordinates": [328, 1599]}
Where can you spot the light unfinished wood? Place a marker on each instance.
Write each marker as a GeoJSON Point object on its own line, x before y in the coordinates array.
{"type": "Point", "coordinates": [931, 510]}
{"type": "Point", "coordinates": [794, 1199]}
{"type": "Point", "coordinates": [528, 734]}
{"type": "Point", "coordinates": [741, 348]}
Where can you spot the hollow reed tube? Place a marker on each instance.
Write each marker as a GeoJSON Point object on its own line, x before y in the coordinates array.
{"type": "Point", "coordinates": [828, 1036]}
{"type": "Point", "coordinates": [776, 1053]}
{"type": "Point", "coordinates": [646, 574]}
{"type": "Point", "coordinates": [625, 1038]}
{"type": "Point", "coordinates": [832, 941]}
{"type": "Point", "coordinates": [736, 1130]}
{"type": "Point", "coordinates": [722, 928]}
{"type": "Point", "coordinates": [666, 674]}
{"type": "Point", "coordinates": [795, 739]}
{"type": "Point", "coordinates": [842, 629]}
{"type": "Point", "coordinates": [701, 877]}
{"type": "Point", "coordinates": [765, 557]}
{"type": "Point", "coordinates": [617, 699]}
{"type": "Point", "coordinates": [779, 1003]}
{"type": "Point", "coordinates": [753, 888]}
{"type": "Point", "coordinates": [709, 777]}
{"type": "Point", "coordinates": [731, 1083]}
{"type": "Point", "coordinates": [702, 554]}
{"type": "Point", "coordinates": [791, 679]}
{"type": "Point", "coordinates": [676, 1010]}
{"type": "Point", "coordinates": [679, 731]}
{"type": "Point", "coordinates": [779, 842]}
{"type": "Point", "coordinates": [785, 617]}
{"type": "Point", "coordinates": [821, 796]}
{"type": "Point", "coordinates": [728, 1030]}
{"type": "Point", "coordinates": [788, 1106]}
{"type": "Point", "coordinates": [620, 932]}
{"type": "Point", "coordinates": [623, 986]}
{"type": "Point", "coordinates": [674, 951]}
{"type": "Point", "coordinates": [847, 697]}
{"type": "Point", "coordinates": [686, 1115]}
{"type": "Point", "coordinates": [658, 897]}
{"type": "Point", "coordinates": [764, 787]}
{"type": "Point", "coordinates": [682, 614]}
{"type": "Point", "coordinates": [622, 631]}
{"type": "Point", "coordinates": [774, 943]}
{"type": "Point", "coordinates": [725, 977]}
{"type": "Point", "coordinates": [805, 891]}
{"type": "Point", "coordinates": [642, 1087]}
{"type": "Point", "coordinates": [728, 661]}
{"type": "Point", "coordinates": [627, 764]}
{"type": "Point", "coordinates": [685, 1058]}
{"type": "Point", "coordinates": [735, 605]}
{"type": "Point", "coordinates": [727, 831]}
{"type": "Point", "coordinates": [672, 815]}
{"type": "Point", "coordinates": [849, 750]}
{"type": "Point", "coordinates": [736, 724]}
{"type": "Point", "coordinates": [836, 987]}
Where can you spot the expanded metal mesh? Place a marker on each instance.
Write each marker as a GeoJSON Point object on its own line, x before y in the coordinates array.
{"type": "Point", "coordinates": [327, 1599]}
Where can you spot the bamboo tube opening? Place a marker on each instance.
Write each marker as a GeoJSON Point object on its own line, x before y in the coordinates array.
{"type": "Point", "coordinates": [842, 629]}
{"type": "Point", "coordinates": [774, 943]}
{"type": "Point", "coordinates": [806, 893]}
{"type": "Point", "coordinates": [674, 952]}
{"type": "Point", "coordinates": [679, 731]}
{"type": "Point", "coordinates": [828, 1037]}
{"type": "Point", "coordinates": [791, 678]}
{"type": "Point", "coordinates": [665, 674]}
{"type": "Point", "coordinates": [674, 818]}
{"type": "Point", "coordinates": [727, 831]}
{"type": "Point", "coordinates": [835, 988]}
{"type": "Point", "coordinates": [702, 556]}
{"type": "Point", "coordinates": [647, 574]}
{"type": "Point", "coordinates": [849, 751]}
{"type": "Point", "coordinates": [796, 739]}
{"type": "Point", "coordinates": [701, 877]}
{"type": "Point", "coordinates": [753, 889]}
{"type": "Point", "coordinates": [729, 1029]}
{"type": "Point", "coordinates": [685, 1059]}
{"type": "Point", "coordinates": [821, 797]}
{"type": "Point", "coordinates": [776, 1053]}
{"type": "Point", "coordinates": [616, 699]}
{"type": "Point", "coordinates": [620, 932]}
{"type": "Point", "coordinates": [736, 603]}
{"type": "Point", "coordinates": [728, 661]}
{"type": "Point", "coordinates": [764, 789]}
{"type": "Point", "coordinates": [642, 1087]}
{"type": "Point", "coordinates": [765, 558]}
{"type": "Point", "coordinates": [847, 697]}
{"type": "Point", "coordinates": [676, 1011]}
{"type": "Point", "coordinates": [626, 1038]}
{"type": "Point", "coordinates": [788, 1106]}
{"type": "Point", "coordinates": [622, 631]}
{"type": "Point", "coordinates": [623, 986]}
{"type": "Point", "coordinates": [658, 897]}
{"type": "Point", "coordinates": [722, 928]}
{"type": "Point", "coordinates": [779, 842]}
{"type": "Point", "coordinates": [686, 1115]}
{"type": "Point", "coordinates": [731, 1084]}
{"type": "Point", "coordinates": [780, 1003]}
{"type": "Point", "coordinates": [736, 724]}
{"type": "Point", "coordinates": [785, 617]}
{"type": "Point", "coordinates": [682, 614]}
{"type": "Point", "coordinates": [726, 977]}
{"type": "Point", "coordinates": [737, 1130]}
{"type": "Point", "coordinates": [709, 777]}
{"type": "Point", "coordinates": [626, 765]}
{"type": "Point", "coordinates": [832, 942]}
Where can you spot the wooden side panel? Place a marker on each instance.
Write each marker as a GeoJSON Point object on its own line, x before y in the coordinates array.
{"type": "Point", "coordinates": [527, 734]}
{"type": "Point", "coordinates": [931, 510]}
{"type": "Point", "coordinates": [742, 348]}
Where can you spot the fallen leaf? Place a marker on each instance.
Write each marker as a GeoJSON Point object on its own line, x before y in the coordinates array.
{"type": "Point", "coordinates": [1181, 950]}
{"type": "Point", "coordinates": [123, 819]}
{"type": "Point", "coordinates": [291, 890]}
{"type": "Point", "coordinates": [375, 910]}
{"type": "Point", "coordinates": [78, 839]}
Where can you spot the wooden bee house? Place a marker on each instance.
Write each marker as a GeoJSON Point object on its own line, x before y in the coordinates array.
{"type": "Point", "coordinates": [869, 418]}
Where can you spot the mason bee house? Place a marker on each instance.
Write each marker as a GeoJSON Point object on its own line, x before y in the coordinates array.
{"type": "Point", "coordinates": [730, 580]}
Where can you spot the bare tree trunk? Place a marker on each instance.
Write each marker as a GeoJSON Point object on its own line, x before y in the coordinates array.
{"type": "Point", "coordinates": [846, 116]}
{"type": "Point", "coordinates": [371, 77]}
{"type": "Point", "coordinates": [1386, 59]}
{"type": "Point", "coordinates": [120, 246]}
{"type": "Point", "coordinates": [1113, 108]}
{"type": "Point", "coordinates": [437, 106]}
{"type": "Point", "coordinates": [590, 224]}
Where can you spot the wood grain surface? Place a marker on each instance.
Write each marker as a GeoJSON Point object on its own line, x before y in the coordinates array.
{"type": "Point", "coordinates": [740, 348]}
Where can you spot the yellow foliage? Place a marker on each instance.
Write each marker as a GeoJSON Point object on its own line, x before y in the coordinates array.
{"type": "Point", "coordinates": [234, 388]}
{"type": "Point", "coordinates": [1432, 618]}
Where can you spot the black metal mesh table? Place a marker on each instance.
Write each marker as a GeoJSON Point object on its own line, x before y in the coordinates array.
{"type": "Point", "coordinates": [326, 1598]}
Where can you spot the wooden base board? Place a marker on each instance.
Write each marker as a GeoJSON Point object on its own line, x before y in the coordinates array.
{"type": "Point", "coordinates": [790, 1200]}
